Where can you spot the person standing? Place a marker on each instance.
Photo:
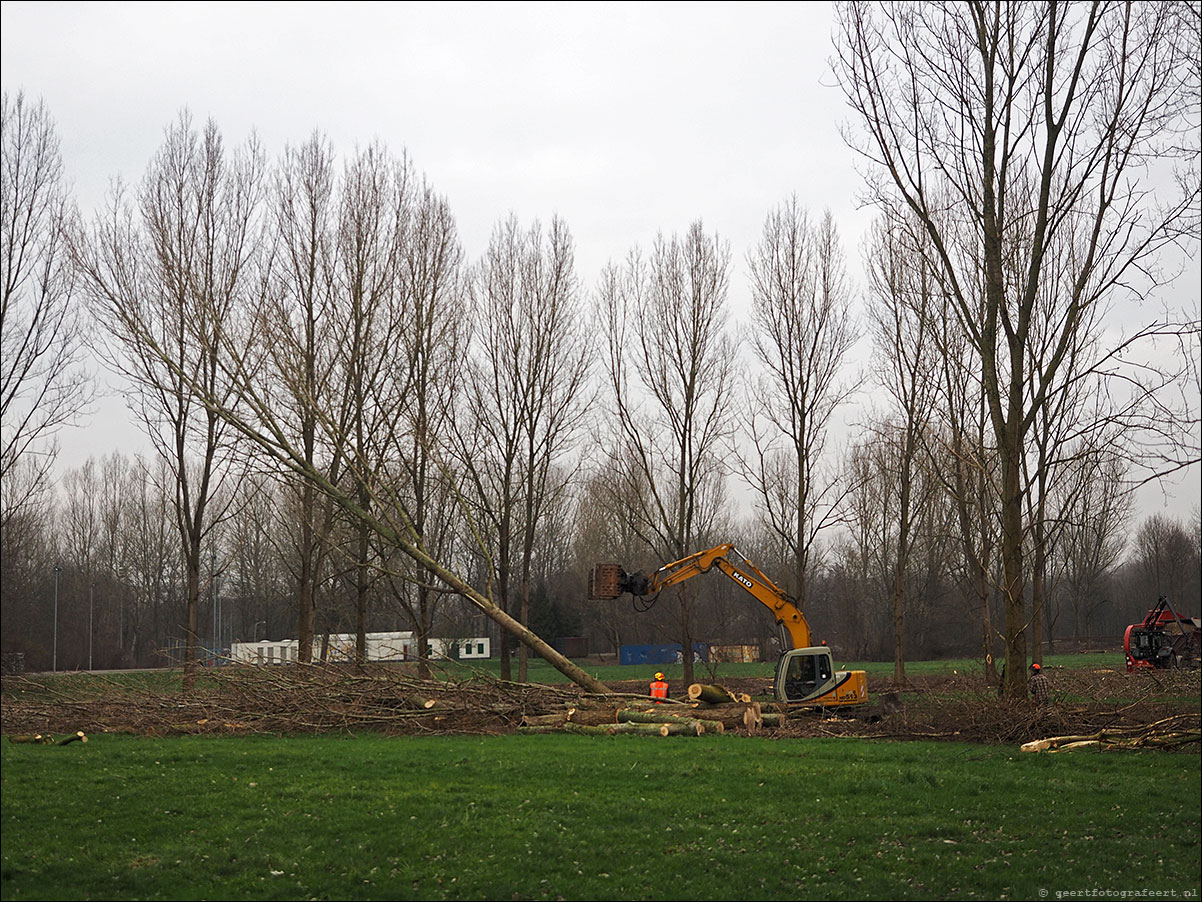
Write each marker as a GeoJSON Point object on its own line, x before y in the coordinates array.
{"type": "Point", "coordinates": [1039, 685]}
{"type": "Point", "coordinates": [659, 688]}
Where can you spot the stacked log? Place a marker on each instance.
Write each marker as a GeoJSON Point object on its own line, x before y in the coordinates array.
{"type": "Point", "coordinates": [715, 695]}
{"type": "Point", "coordinates": [687, 728]}
{"type": "Point", "coordinates": [708, 725]}
{"type": "Point", "coordinates": [556, 719]}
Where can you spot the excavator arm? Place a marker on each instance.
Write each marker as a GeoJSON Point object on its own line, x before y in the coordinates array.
{"type": "Point", "coordinates": [749, 577]}
{"type": "Point", "coordinates": [804, 675]}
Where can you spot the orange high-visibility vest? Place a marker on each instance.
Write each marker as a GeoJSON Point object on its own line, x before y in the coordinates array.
{"type": "Point", "coordinates": [659, 689]}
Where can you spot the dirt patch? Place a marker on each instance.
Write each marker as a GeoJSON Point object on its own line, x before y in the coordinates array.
{"type": "Point", "coordinates": [312, 699]}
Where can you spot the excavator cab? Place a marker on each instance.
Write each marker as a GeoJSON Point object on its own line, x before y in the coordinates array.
{"type": "Point", "coordinates": [807, 676]}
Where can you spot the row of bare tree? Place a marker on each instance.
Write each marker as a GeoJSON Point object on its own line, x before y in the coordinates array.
{"type": "Point", "coordinates": [444, 427]}
{"type": "Point", "coordinates": [98, 579]}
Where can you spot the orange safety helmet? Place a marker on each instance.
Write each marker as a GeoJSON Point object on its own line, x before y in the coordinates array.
{"type": "Point", "coordinates": [659, 676]}
{"type": "Point", "coordinates": [1035, 667]}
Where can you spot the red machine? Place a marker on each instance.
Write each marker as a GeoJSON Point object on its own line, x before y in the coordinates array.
{"type": "Point", "coordinates": [1164, 639]}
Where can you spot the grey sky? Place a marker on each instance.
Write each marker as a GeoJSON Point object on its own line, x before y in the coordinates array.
{"type": "Point", "coordinates": [623, 119]}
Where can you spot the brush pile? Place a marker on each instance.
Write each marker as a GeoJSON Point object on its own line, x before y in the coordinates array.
{"type": "Point", "coordinates": [1157, 710]}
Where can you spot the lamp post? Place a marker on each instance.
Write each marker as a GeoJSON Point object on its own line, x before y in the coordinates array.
{"type": "Point", "coordinates": [91, 605]}
{"type": "Point", "coordinates": [255, 631]}
{"type": "Point", "coordinates": [54, 657]}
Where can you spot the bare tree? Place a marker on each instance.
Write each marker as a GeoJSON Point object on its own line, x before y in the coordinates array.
{"type": "Point", "coordinates": [297, 328]}
{"type": "Point", "coordinates": [525, 397]}
{"type": "Point", "coordinates": [166, 280]}
{"type": "Point", "coordinates": [670, 368]}
{"type": "Point", "coordinates": [43, 385]}
{"type": "Point", "coordinates": [433, 338]}
{"type": "Point", "coordinates": [1094, 507]}
{"type": "Point", "coordinates": [367, 413]}
{"type": "Point", "coordinates": [1003, 127]}
{"type": "Point", "coordinates": [802, 332]}
{"type": "Point", "coordinates": [904, 317]}
{"type": "Point", "coordinates": [373, 206]}
{"type": "Point", "coordinates": [1167, 557]}
{"type": "Point", "coordinates": [154, 571]}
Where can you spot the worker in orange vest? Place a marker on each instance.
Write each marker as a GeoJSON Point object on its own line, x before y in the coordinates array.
{"type": "Point", "coordinates": [659, 688]}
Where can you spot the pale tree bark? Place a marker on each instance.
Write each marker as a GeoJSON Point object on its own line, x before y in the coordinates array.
{"type": "Point", "coordinates": [43, 384]}
{"type": "Point", "coordinates": [165, 279]}
{"type": "Point", "coordinates": [802, 330]}
{"type": "Point", "coordinates": [526, 396]}
{"type": "Point", "coordinates": [1002, 127]}
{"type": "Point", "coordinates": [670, 368]}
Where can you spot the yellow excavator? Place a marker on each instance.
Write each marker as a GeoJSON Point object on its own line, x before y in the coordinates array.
{"type": "Point", "coordinates": [805, 674]}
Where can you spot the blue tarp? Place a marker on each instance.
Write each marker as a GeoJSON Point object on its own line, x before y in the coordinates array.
{"type": "Point", "coordinates": [660, 654]}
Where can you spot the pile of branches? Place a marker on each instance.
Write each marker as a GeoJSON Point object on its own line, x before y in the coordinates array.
{"type": "Point", "coordinates": [293, 699]}
{"type": "Point", "coordinates": [964, 708]}
{"type": "Point", "coordinates": [393, 699]}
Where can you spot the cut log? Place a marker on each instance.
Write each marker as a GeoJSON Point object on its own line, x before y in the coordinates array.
{"type": "Point", "coordinates": [751, 721]}
{"type": "Point", "coordinates": [772, 720]}
{"type": "Point", "coordinates": [630, 715]}
{"type": "Point", "coordinates": [418, 702]}
{"type": "Point", "coordinates": [713, 695]}
{"type": "Point", "coordinates": [36, 738]}
{"type": "Point", "coordinates": [44, 739]}
{"type": "Point", "coordinates": [645, 729]}
{"type": "Point", "coordinates": [557, 719]}
{"type": "Point", "coordinates": [729, 715]}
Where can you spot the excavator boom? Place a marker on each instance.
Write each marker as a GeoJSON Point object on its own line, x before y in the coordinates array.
{"type": "Point", "coordinates": [804, 674]}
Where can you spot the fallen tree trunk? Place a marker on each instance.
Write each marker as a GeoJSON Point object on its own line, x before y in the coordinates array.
{"type": "Point", "coordinates": [556, 719]}
{"type": "Point", "coordinates": [35, 738]}
{"type": "Point", "coordinates": [1170, 732]}
{"type": "Point", "coordinates": [44, 739]}
{"type": "Point", "coordinates": [629, 715]}
{"type": "Point", "coordinates": [712, 694]}
{"type": "Point", "coordinates": [645, 729]}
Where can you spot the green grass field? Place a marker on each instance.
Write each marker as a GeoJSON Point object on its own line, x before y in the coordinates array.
{"type": "Point", "coordinates": [877, 671]}
{"type": "Point", "coordinates": [573, 817]}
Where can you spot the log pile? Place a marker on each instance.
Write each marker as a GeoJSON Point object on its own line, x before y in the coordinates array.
{"type": "Point", "coordinates": [392, 699]}
{"type": "Point", "coordinates": [716, 695]}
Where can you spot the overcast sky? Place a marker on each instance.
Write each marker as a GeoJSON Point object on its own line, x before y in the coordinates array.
{"type": "Point", "coordinates": [624, 119]}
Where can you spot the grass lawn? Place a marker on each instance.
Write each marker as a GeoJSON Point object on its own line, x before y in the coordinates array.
{"type": "Point", "coordinates": [542, 672]}
{"type": "Point", "coordinates": [574, 817]}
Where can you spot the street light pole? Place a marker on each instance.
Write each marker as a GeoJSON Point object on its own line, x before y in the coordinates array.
{"type": "Point", "coordinates": [54, 658]}
{"type": "Point", "coordinates": [91, 605]}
